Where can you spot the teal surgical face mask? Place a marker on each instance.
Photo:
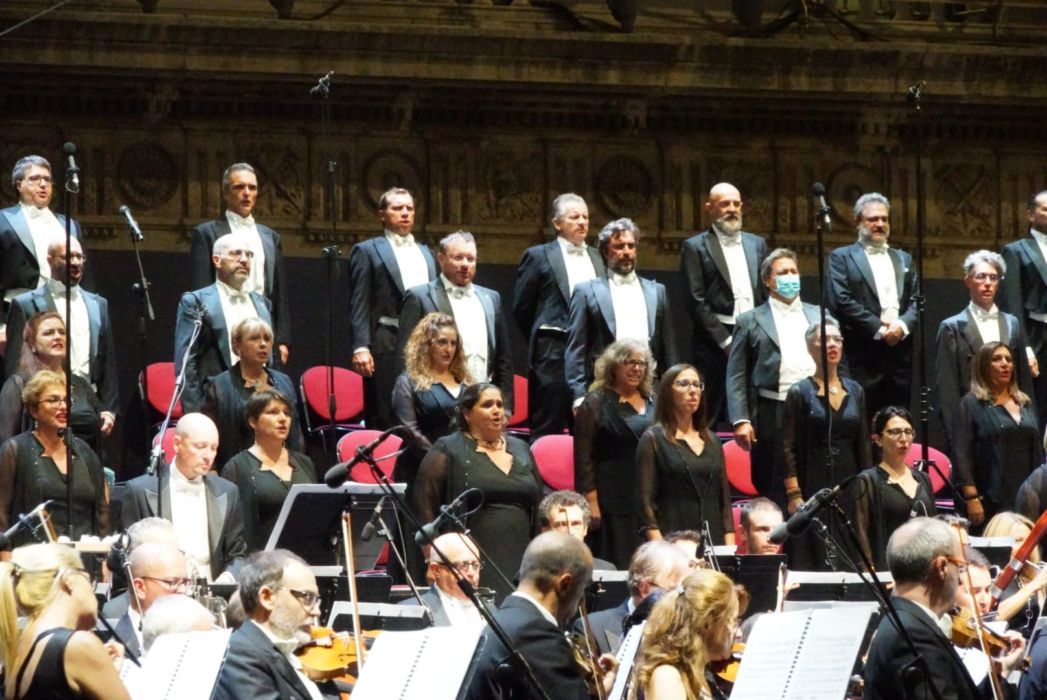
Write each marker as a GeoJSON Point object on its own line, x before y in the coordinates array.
{"type": "Point", "coordinates": [787, 286]}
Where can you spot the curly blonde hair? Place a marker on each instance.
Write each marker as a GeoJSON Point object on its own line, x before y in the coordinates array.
{"type": "Point", "coordinates": [617, 353]}
{"type": "Point", "coordinates": [684, 624]}
{"type": "Point", "coordinates": [416, 352]}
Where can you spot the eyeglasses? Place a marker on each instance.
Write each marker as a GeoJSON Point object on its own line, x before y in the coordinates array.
{"type": "Point", "coordinates": [689, 384]}
{"type": "Point", "coordinates": [249, 254]}
{"type": "Point", "coordinates": [634, 363]}
{"type": "Point", "coordinates": [464, 567]}
{"type": "Point", "coordinates": [72, 256]}
{"type": "Point", "coordinates": [961, 565]}
{"type": "Point", "coordinates": [56, 400]}
{"type": "Point", "coordinates": [898, 432]}
{"type": "Point", "coordinates": [986, 277]}
{"type": "Point", "coordinates": [40, 179]}
{"type": "Point", "coordinates": [308, 599]}
{"type": "Point", "coordinates": [174, 584]}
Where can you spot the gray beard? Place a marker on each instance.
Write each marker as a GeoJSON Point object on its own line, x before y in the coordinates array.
{"type": "Point", "coordinates": [727, 227]}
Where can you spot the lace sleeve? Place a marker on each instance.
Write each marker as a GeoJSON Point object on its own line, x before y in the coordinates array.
{"type": "Point", "coordinates": [584, 443]}
{"type": "Point", "coordinates": [647, 478]}
{"type": "Point", "coordinates": [432, 482]}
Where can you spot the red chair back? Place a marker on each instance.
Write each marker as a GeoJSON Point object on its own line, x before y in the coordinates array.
{"type": "Point", "coordinates": [739, 469]}
{"type": "Point", "coordinates": [168, 444]}
{"type": "Point", "coordinates": [361, 473]}
{"type": "Point", "coordinates": [939, 458]}
{"type": "Point", "coordinates": [518, 423]}
{"type": "Point", "coordinates": [159, 382]}
{"type": "Point", "coordinates": [554, 455]}
{"type": "Point", "coordinates": [739, 538]}
{"type": "Point", "coordinates": [348, 393]}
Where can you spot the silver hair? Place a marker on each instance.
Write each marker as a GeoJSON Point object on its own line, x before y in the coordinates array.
{"type": "Point", "coordinates": [235, 168]}
{"type": "Point", "coordinates": [867, 199]}
{"type": "Point", "coordinates": [456, 237]}
{"type": "Point", "coordinates": [142, 530]}
{"type": "Point", "coordinates": [774, 255]}
{"type": "Point", "coordinates": [815, 327]}
{"type": "Point", "coordinates": [614, 228]}
{"type": "Point", "coordinates": [651, 559]}
{"type": "Point", "coordinates": [171, 614]}
{"type": "Point", "coordinates": [225, 243]}
{"type": "Point", "coordinates": [915, 544]}
{"type": "Point", "coordinates": [23, 165]}
{"type": "Point", "coordinates": [984, 256]}
{"type": "Point", "coordinates": [565, 200]}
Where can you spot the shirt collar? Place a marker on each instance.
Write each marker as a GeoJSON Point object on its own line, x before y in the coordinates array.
{"type": "Point", "coordinates": [727, 239]}
{"type": "Point", "coordinates": [569, 248]}
{"type": "Point", "coordinates": [453, 289]}
{"type": "Point", "coordinates": [229, 292]}
{"type": "Point", "coordinates": [785, 308]}
{"type": "Point", "coordinates": [177, 475]}
{"type": "Point", "coordinates": [284, 646]}
{"type": "Point", "coordinates": [1041, 238]}
{"type": "Point", "coordinates": [30, 211]}
{"type": "Point", "coordinates": [619, 279]}
{"type": "Point", "coordinates": [545, 613]}
{"type": "Point", "coordinates": [399, 240]}
{"type": "Point", "coordinates": [57, 288]}
{"type": "Point", "coordinates": [236, 221]}
{"type": "Point", "coordinates": [981, 314]}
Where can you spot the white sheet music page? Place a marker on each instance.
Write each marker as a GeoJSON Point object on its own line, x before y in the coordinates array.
{"type": "Point", "coordinates": [178, 666]}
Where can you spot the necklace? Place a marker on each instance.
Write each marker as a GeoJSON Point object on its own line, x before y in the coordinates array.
{"type": "Point", "coordinates": [489, 444]}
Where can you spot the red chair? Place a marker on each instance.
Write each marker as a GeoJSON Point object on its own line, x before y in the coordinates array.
{"type": "Point", "coordinates": [361, 473]}
{"type": "Point", "coordinates": [349, 399]}
{"type": "Point", "coordinates": [168, 444]}
{"type": "Point", "coordinates": [158, 381]}
{"type": "Point", "coordinates": [939, 458]}
{"type": "Point", "coordinates": [554, 455]}
{"type": "Point", "coordinates": [517, 425]}
{"type": "Point", "coordinates": [739, 469]}
{"type": "Point", "coordinates": [739, 538]}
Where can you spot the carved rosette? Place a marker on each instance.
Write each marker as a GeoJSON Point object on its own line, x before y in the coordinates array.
{"type": "Point", "coordinates": [148, 175]}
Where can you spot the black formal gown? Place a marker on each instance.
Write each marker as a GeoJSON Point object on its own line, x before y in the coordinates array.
{"type": "Point", "coordinates": [85, 418]}
{"type": "Point", "coordinates": [993, 451]}
{"type": "Point", "coordinates": [606, 434]}
{"type": "Point", "coordinates": [880, 507]}
{"type": "Point", "coordinates": [679, 489]}
{"type": "Point", "coordinates": [262, 492]}
{"type": "Point", "coordinates": [28, 478]}
{"type": "Point", "coordinates": [806, 448]}
{"type": "Point", "coordinates": [508, 518]}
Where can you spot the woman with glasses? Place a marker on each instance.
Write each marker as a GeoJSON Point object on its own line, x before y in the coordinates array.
{"type": "Point", "coordinates": [813, 459]}
{"type": "Point", "coordinates": [689, 628]}
{"type": "Point", "coordinates": [35, 466]}
{"type": "Point", "coordinates": [996, 439]}
{"type": "Point", "coordinates": [680, 464]}
{"type": "Point", "coordinates": [266, 470]}
{"type": "Point", "coordinates": [887, 495]}
{"type": "Point", "coordinates": [43, 347]}
{"type": "Point", "coordinates": [226, 394]}
{"type": "Point", "coordinates": [607, 428]}
{"type": "Point", "coordinates": [57, 655]}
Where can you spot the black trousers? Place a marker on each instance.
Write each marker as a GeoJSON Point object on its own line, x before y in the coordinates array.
{"type": "Point", "coordinates": [548, 398]}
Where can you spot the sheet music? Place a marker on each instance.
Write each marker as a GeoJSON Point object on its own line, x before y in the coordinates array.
{"type": "Point", "coordinates": [183, 665]}
{"type": "Point", "coordinates": [429, 663]}
{"type": "Point", "coordinates": [806, 655]}
{"type": "Point", "coordinates": [626, 658]}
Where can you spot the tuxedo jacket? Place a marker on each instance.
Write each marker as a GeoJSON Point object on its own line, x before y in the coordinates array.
{"type": "Point", "coordinates": [853, 298]}
{"type": "Point", "coordinates": [126, 631]}
{"type": "Point", "coordinates": [606, 626]}
{"type": "Point", "coordinates": [958, 341]}
{"type": "Point", "coordinates": [255, 670]}
{"type": "Point", "coordinates": [592, 328]}
{"type": "Point", "coordinates": [102, 353]}
{"type": "Point", "coordinates": [19, 267]}
{"type": "Point", "coordinates": [889, 654]}
{"type": "Point", "coordinates": [431, 297]}
{"type": "Point", "coordinates": [1024, 287]}
{"type": "Point", "coordinates": [225, 518]}
{"type": "Point", "coordinates": [435, 603]}
{"type": "Point", "coordinates": [376, 288]}
{"type": "Point", "coordinates": [542, 295]}
{"type": "Point", "coordinates": [210, 353]}
{"type": "Point", "coordinates": [541, 643]}
{"type": "Point", "coordinates": [707, 280]}
{"type": "Point", "coordinates": [755, 359]}
{"type": "Point", "coordinates": [202, 272]}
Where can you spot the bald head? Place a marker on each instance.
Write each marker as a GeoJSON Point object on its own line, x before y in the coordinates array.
{"type": "Point", "coordinates": [552, 554]}
{"type": "Point", "coordinates": [57, 260]}
{"type": "Point", "coordinates": [154, 566]}
{"type": "Point", "coordinates": [725, 208]}
{"type": "Point", "coordinates": [462, 556]}
{"type": "Point", "coordinates": [195, 445]}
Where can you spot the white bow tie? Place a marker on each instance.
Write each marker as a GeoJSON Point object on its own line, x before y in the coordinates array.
{"type": "Point", "coordinates": [983, 315]}
{"type": "Point", "coordinates": [237, 221]}
{"type": "Point", "coordinates": [402, 241]}
{"type": "Point", "coordinates": [460, 292]}
{"type": "Point", "coordinates": [36, 213]}
{"type": "Point", "coordinates": [573, 249]}
{"type": "Point", "coordinates": [730, 241]}
{"type": "Point", "coordinates": [876, 249]}
{"type": "Point", "coordinates": [623, 280]}
{"type": "Point", "coordinates": [287, 647]}
{"type": "Point", "coordinates": [193, 486]}
{"type": "Point", "coordinates": [238, 297]}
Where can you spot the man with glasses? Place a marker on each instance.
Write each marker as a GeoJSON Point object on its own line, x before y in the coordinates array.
{"type": "Point", "coordinates": [90, 332]}
{"type": "Point", "coordinates": [26, 230]}
{"type": "Point", "coordinates": [281, 601]}
{"type": "Point", "coordinates": [219, 307]}
{"type": "Point", "coordinates": [157, 569]}
{"type": "Point", "coordinates": [619, 306]}
{"type": "Point", "coordinates": [981, 322]}
{"type": "Point", "coordinates": [445, 600]}
{"type": "Point", "coordinates": [926, 560]}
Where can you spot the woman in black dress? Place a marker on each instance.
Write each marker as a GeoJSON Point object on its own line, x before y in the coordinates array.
{"type": "Point", "coordinates": [680, 464]}
{"type": "Point", "coordinates": [996, 442]}
{"type": "Point", "coordinates": [890, 493]}
{"type": "Point", "coordinates": [43, 347]}
{"type": "Point", "coordinates": [34, 466]}
{"type": "Point", "coordinates": [607, 428]}
{"type": "Point", "coordinates": [226, 394]}
{"type": "Point", "coordinates": [807, 447]}
{"type": "Point", "coordinates": [57, 655]}
{"type": "Point", "coordinates": [265, 472]}
{"type": "Point", "coordinates": [479, 455]}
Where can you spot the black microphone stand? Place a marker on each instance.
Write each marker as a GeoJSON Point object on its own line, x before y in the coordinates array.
{"type": "Point", "coordinates": [383, 530]}
{"type": "Point", "coordinates": [71, 187]}
{"type": "Point", "coordinates": [330, 254]}
{"type": "Point", "coordinates": [141, 290]}
{"type": "Point", "coordinates": [516, 659]}
{"type": "Point", "coordinates": [821, 223]}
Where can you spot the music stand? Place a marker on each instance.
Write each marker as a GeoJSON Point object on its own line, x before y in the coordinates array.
{"type": "Point", "coordinates": [758, 573]}
{"type": "Point", "coordinates": [379, 616]}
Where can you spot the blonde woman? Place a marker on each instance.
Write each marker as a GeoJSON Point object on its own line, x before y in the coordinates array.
{"type": "Point", "coordinates": [57, 655]}
{"type": "Point", "coordinates": [1025, 591]}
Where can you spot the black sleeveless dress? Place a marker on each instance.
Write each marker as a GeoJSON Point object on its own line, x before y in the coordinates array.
{"type": "Point", "coordinates": [49, 681]}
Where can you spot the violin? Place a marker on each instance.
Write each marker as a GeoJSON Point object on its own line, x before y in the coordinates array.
{"type": "Point", "coordinates": [967, 635]}
{"type": "Point", "coordinates": [331, 654]}
{"type": "Point", "coordinates": [726, 670]}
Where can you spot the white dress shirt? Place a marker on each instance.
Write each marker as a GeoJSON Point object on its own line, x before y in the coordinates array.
{"type": "Point", "coordinates": [286, 647]}
{"type": "Point", "coordinates": [409, 258]}
{"type": "Point", "coordinates": [988, 322]}
{"type": "Point", "coordinates": [79, 331]}
{"type": "Point", "coordinates": [738, 270]}
{"type": "Point", "coordinates": [471, 320]}
{"type": "Point", "coordinates": [189, 516]}
{"type": "Point", "coordinates": [577, 261]}
{"type": "Point", "coordinates": [886, 284]}
{"type": "Point", "coordinates": [246, 227]}
{"type": "Point", "coordinates": [459, 612]}
{"type": "Point", "coordinates": [630, 307]}
{"type": "Point", "coordinates": [43, 227]}
{"type": "Point", "coordinates": [791, 323]}
{"type": "Point", "coordinates": [236, 306]}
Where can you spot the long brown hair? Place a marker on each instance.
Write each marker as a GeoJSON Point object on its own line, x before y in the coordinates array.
{"type": "Point", "coordinates": [416, 353]}
{"type": "Point", "coordinates": [981, 374]}
{"type": "Point", "coordinates": [665, 416]}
